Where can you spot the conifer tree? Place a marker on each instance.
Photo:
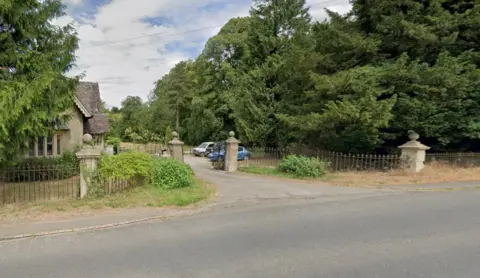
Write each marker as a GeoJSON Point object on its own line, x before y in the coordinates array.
{"type": "Point", "coordinates": [34, 56]}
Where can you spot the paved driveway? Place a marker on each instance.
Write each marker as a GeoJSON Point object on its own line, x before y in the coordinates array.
{"type": "Point", "coordinates": [234, 187]}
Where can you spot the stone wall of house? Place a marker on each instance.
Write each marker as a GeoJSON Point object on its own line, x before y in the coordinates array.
{"type": "Point", "coordinates": [73, 137]}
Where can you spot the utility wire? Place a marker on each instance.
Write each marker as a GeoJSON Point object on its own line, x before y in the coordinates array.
{"type": "Point", "coordinates": [180, 33]}
{"type": "Point", "coordinates": [155, 34]}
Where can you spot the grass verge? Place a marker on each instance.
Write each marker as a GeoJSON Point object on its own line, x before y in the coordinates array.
{"type": "Point", "coordinates": [272, 171]}
{"type": "Point", "coordinates": [140, 197]}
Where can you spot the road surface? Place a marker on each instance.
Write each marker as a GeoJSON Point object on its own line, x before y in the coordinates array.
{"type": "Point", "coordinates": [395, 235]}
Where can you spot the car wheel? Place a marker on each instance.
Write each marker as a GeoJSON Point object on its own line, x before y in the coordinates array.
{"type": "Point", "coordinates": [247, 157]}
{"type": "Point", "coordinates": [220, 159]}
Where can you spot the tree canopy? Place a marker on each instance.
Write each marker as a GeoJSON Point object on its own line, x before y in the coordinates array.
{"type": "Point", "coordinates": [352, 83]}
{"type": "Point", "coordinates": [34, 56]}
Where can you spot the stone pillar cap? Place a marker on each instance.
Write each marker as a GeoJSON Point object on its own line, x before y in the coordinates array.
{"type": "Point", "coordinates": [175, 140]}
{"type": "Point", "coordinates": [232, 139]}
{"type": "Point", "coordinates": [414, 145]}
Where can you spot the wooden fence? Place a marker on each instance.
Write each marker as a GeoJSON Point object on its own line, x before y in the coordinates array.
{"type": "Point", "coordinates": [116, 185]}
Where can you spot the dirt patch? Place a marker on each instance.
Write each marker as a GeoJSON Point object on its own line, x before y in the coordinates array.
{"type": "Point", "coordinates": [433, 173]}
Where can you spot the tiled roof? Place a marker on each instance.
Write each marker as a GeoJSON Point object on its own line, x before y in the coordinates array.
{"type": "Point", "coordinates": [88, 94]}
{"type": "Point", "coordinates": [98, 124]}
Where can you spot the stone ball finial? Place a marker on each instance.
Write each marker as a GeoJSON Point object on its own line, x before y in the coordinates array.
{"type": "Point", "coordinates": [231, 134]}
{"type": "Point", "coordinates": [412, 135]}
{"type": "Point", "coordinates": [175, 134]}
{"type": "Point", "coordinates": [87, 138]}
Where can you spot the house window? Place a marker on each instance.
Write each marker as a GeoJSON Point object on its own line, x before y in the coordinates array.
{"type": "Point", "coordinates": [50, 145]}
{"type": "Point", "coordinates": [59, 146]}
{"type": "Point", "coordinates": [41, 146]}
{"type": "Point", "coordinates": [45, 146]}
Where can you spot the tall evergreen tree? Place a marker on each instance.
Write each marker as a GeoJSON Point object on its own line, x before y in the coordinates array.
{"type": "Point", "coordinates": [278, 44]}
{"type": "Point", "coordinates": [211, 104]}
{"type": "Point", "coordinates": [34, 56]}
{"type": "Point", "coordinates": [352, 83]}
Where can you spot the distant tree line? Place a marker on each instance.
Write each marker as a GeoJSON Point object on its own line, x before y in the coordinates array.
{"type": "Point", "coordinates": [352, 83]}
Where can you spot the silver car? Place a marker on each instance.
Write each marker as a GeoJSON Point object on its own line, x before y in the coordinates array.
{"type": "Point", "coordinates": [202, 149]}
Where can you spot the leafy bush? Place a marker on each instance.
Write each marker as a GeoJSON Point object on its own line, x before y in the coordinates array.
{"type": "Point", "coordinates": [113, 141]}
{"type": "Point", "coordinates": [303, 167]}
{"type": "Point", "coordinates": [171, 174]}
{"type": "Point", "coordinates": [127, 165]}
{"type": "Point", "coordinates": [69, 160]}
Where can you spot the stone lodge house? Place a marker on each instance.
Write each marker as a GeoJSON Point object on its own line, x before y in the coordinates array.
{"type": "Point", "coordinates": [86, 117]}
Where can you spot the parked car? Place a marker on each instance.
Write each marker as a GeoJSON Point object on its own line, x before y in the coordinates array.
{"type": "Point", "coordinates": [203, 149]}
{"type": "Point", "coordinates": [218, 156]}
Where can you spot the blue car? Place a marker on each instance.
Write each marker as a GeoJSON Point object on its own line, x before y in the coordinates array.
{"type": "Point", "coordinates": [243, 154]}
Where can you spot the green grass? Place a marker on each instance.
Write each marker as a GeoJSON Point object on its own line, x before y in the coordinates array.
{"type": "Point", "coordinates": [146, 196]}
{"type": "Point", "coordinates": [267, 171]}
{"type": "Point", "coordinates": [270, 171]}
{"type": "Point", "coordinates": [263, 171]}
{"type": "Point", "coordinates": [154, 197]}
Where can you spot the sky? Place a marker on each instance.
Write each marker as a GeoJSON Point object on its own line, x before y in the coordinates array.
{"type": "Point", "coordinates": [127, 45]}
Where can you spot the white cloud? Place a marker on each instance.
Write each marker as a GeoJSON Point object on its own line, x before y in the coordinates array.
{"type": "Point", "coordinates": [130, 67]}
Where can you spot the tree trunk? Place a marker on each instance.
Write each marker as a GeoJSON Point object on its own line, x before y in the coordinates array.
{"type": "Point", "coordinates": [177, 124]}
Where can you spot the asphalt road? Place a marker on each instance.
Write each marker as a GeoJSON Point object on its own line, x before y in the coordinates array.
{"type": "Point", "coordinates": [398, 235]}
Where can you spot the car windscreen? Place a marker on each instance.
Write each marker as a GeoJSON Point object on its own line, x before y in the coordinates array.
{"type": "Point", "coordinates": [203, 145]}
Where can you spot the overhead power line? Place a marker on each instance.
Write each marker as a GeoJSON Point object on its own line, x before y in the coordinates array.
{"type": "Point", "coordinates": [179, 33]}
{"type": "Point", "coordinates": [156, 34]}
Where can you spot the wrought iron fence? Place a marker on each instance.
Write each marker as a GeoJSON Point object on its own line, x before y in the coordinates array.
{"type": "Point", "coordinates": [37, 182]}
{"type": "Point", "coordinates": [338, 162]}
{"type": "Point", "coordinates": [271, 157]}
{"type": "Point", "coordinates": [454, 159]}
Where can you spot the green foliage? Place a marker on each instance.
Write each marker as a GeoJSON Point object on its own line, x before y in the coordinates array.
{"type": "Point", "coordinates": [137, 166]}
{"type": "Point", "coordinates": [353, 83]}
{"type": "Point", "coordinates": [275, 72]}
{"type": "Point", "coordinates": [303, 167]}
{"type": "Point", "coordinates": [115, 141]}
{"type": "Point", "coordinates": [69, 159]}
{"type": "Point", "coordinates": [172, 97]}
{"type": "Point", "coordinates": [34, 57]}
{"type": "Point", "coordinates": [143, 135]}
{"type": "Point", "coordinates": [172, 174]}
{"type": "Point", "coordinates": [168, 135]}
{"type": "Point", "coordinates": [127, 165]}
